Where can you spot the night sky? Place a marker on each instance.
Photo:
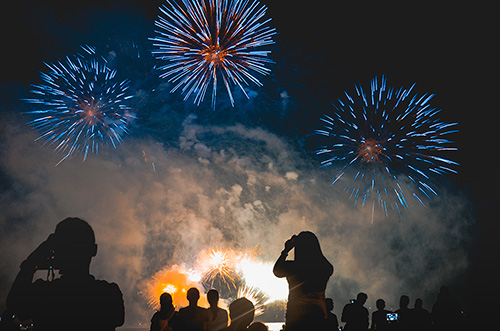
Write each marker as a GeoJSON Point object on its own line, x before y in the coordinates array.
{"type": "Point", "coordinates": [321, 49]}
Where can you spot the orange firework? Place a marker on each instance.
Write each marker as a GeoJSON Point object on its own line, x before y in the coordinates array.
{"type": "Point", "coordinates": [258, 298]}
{"type": "Point", "coordinates": [217, 266]}
{"type": "Point", "coordinates": [175, 281]}
{"type": "Point", "coordinates": [369, 150]}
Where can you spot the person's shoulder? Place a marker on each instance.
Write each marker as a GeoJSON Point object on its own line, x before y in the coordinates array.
{"type": "Point", "coordinates": [156, 315]}
{"type": "Point", "coordinates": [107, 289]}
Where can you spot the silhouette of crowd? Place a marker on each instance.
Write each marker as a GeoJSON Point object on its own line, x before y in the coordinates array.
{"type": "Point", "coordinates": [78, 301]}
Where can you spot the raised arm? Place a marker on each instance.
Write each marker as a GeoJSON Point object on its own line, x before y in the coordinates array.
{"type": "Point", "coordinates": [281, 267]}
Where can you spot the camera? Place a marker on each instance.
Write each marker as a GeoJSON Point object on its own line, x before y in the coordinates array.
{"type": "Point", "coordinates": [392, 317]}
{"type": "Point", "coordinates": [50, 261]}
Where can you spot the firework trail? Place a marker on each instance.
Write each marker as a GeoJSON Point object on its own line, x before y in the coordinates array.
{"type": "Point", "coordinates": [387, 143]}
{"type": "Point", "coordinates": [203, 41]}
{"type": "Point", "coordinates": [81, 105]}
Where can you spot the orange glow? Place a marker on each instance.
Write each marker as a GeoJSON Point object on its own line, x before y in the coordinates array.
{"type": "Point", "coordinates": [217, 268]}
{"type": "Point", "coordinates": [218, 264]}
{"type": "Point", "coordinates": [90, 112]}
{"type": "Point", "coordinates": [255, 296]}
{"type": "Point", "coordinates": [175, 281]}
{"type": "Point", "coordinates": [370, 150]}
{"type": "Point", "coordinates": [214, 54]}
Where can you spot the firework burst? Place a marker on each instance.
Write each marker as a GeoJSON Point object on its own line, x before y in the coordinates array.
{"type": "Point", "coordinates": [176, 281]}
{"type": "Point", "coordinates": [387, 143]}
{"type": "Point", "coordinates": [217, 268]}
{"type": "Point", "coordinates": [256, 296]}
{"type": "Point", "coordinates": [203, 41]}
{"type": "Point", "coordinates": [81, 105]}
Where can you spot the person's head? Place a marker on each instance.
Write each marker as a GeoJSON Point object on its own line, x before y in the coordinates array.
{"type": "Point", "coordinates": [213, 297]}
{"type": "Point", "coordinates": [419, 303]}
{"type": "Point", "coordinates": [166, 301]}
{"type": "Point", "coordinates": [193, 295]}
{"type": "Point", "coordinates": [307, 248]}
{"type": "Point", "coordinates": [329, 304]}
{"type": "Point", "coordinates": [380, 303]}
{"type": "Point", "coordinates": [74, 245]}
{"type": "Point", "coordinates": [404, 301]}
{"type": "Point", "coordinates": [361, 298]}
{"type": "Point", "coordinates": [241, 312]}
{"type": "Point", "coordinates": [258, 326]}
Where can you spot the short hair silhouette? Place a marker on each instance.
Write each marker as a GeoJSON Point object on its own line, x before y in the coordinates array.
{"type": "Point", "coordinates": [212, 296]}
{"type": "Point", "coordinates": [193, 295]}
{"type": "Point", "coordinates": [75, 300]}
{"type": "Point", "coordinates": [361, 298]}
{"type": "Point", "coordinates": [380, 303]}
{"type": "Point", "coordinates": [241, 312]}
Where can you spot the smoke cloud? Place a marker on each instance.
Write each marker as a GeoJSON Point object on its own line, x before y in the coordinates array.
{"type": "Point", "coordinates": [153, 205]}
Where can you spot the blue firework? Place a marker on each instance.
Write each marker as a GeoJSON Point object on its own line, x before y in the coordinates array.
{"type": "Point", "coordinates": [81, 105]}
{"type": "Point", "coordinates": [388, 144]}
{"type": "Point", "coordinates": [204, 41]}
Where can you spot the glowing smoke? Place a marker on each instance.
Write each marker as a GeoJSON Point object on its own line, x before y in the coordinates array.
{"type": "Point", "coordinates": [228, 186]}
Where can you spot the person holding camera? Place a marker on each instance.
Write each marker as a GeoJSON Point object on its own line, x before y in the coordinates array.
{"type": "Point", "coordinates": [307, 277]}
{"type": "Point", "coordinates": [74, 301]}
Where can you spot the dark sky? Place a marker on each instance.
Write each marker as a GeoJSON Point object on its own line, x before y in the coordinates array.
{"type": "Point", "coordinates": [446, 49]}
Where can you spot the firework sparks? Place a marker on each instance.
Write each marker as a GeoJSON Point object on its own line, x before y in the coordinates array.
{"type": "Point", "coordinates": [217, 267]}
{"type": "Point", "coordinates": [207, 40]}
{"type": "Point", "coordinates": [256, 296]}
{"type": "Point", "coordinates": [259, 275]}
{"type": "Point", "coordinates": [81, 105]}
{"type": "Point", "coordinates": [387, 142]}
{"type": "Point", "coordinates": [175, 281]}
{"type": "Point", "coordinates": [237, 271]}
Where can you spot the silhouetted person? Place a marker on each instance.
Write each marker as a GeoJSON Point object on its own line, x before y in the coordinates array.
{"type": "Point", "coordinates": [160, 319]}
{"type": "Point", "coordinates": [355, 315]}
{"type": "Point", "coordinates": [76, 300]}
{"type": "Point", "coordinates": [257, 326]}
{"type": "Point", "coordinates": [379, 317]}
{"type": "Point", "coordinates": [241, 312]}
{"type": "Point", "coordinates": [332, 323]}
{"type": "Point", "coordinates": [307, 276]}
{"type": "Point", "coordinates": [446, 312]}
{"type": "Point", "coordinates": [421, 318]}
{"type": "Point", "coordinates": [192, 317]}
{"type": "Point", "coordinates": [217, 317]}
{"type": "Point", "coordinates": [404, 314]}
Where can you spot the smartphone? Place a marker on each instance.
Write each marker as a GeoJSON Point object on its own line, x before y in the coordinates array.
{"type": "Point", "coordinates": [392, 317]}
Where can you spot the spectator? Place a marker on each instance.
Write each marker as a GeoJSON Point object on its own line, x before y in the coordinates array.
{"type": "Point", "coordinates": [355, 315]}
{"type": "Point", "coordinates": [160, 319]}
{"type": "Point", "coordinates": [404, 314]}
{"type": "Point", "coordinates": [307, 276]}
{"type": "Point", "coordinates": [421, 318]}
{"type": "Point", "coordinates": [332, 323]}
{"type": "Point", "coordinates": [446, 312]}
{"type": "Point", "coordinates": [192, 317]}
{"type": "Point", "coordinates": [241, 312]}
{"type": "Point", "coordinates": [217, 317]}
{"type": "Point", "coordinates": [379, 317]}
{"type": "Point", "coordinates": [76, 300]}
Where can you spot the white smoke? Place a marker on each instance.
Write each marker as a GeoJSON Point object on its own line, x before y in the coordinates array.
{"type": "Point", "coordinates": [230, 186]}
